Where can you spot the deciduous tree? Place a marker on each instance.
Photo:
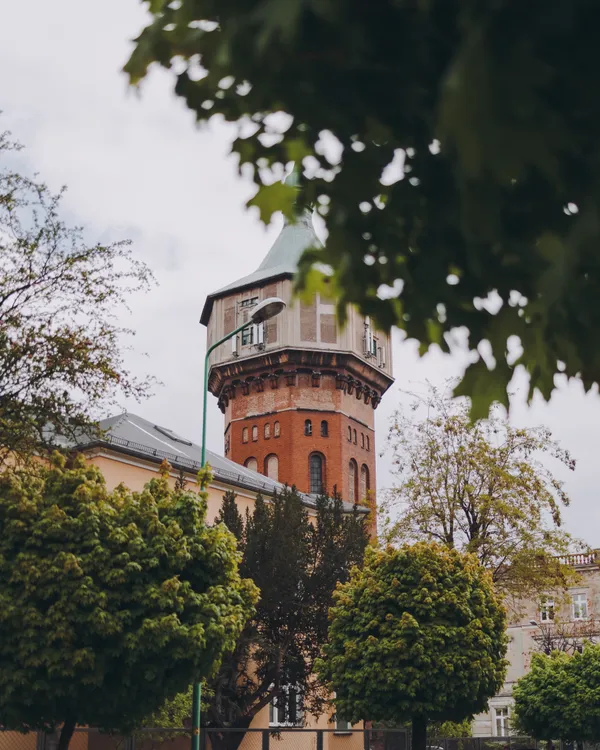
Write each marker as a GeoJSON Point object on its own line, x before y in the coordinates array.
{"type": "Point", "coordinates": [60, 297]}
{"type": "Point", "coordinates": [417, 635]}
{"type": "Point", "coordinates": [296, 565]}
{"type": "Point", "coordinates": [559, 698]}
{"type": "Point", "coordinates": [110, 602]}
{"type": "Point", "coordinates": [491, 110]}
{"type": "Point", "coordinates": [480, 487]}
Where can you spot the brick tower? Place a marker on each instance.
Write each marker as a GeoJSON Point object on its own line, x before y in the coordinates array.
{"type": "Point", "coordinates": [298, 394]}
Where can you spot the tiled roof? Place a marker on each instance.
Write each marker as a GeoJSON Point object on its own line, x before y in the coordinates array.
{"type": "Point", "coordinates": [134, 435]}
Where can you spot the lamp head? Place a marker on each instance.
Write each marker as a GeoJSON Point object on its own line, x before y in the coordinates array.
{"type": "Point", "coordinates": [267, 309]}
{"type": "Point", "coordinates": [534, 623]}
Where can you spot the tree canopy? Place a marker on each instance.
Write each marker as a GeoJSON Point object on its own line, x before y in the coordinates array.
{"type": "Point", "coordinates": [491, 111]}
{"type": "Point", "coordinates": [559, 698]}
{"type": "Point", "coordinates": [110, 602]}
{"type": "Point", "coordinates": [480, 487]}
{"type": "Point", "coordinates": [60, 340]}
{"type": "Point", "coordinates": [296, 564]}
{"type": "Point", "coordinates": [419, 635]}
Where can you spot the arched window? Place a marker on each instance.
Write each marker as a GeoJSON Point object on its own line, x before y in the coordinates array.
{"type": "Point", "coordinates": [317, 472]}
{"type": "Point", "coordinates": [364, 481]}
{"type": "Point", "coordinates": [350, 434]}
{"type": "Point", "coordinates": [251, 463]}
{"type": "Point", "coordinates": [245, 435]}
{"type": "Point", "coordinates": [362, 439]}
{"type": "Point", "coordinates": [276, 429]}
{"type": "Point", "coordinates": [267, 430]}
{"type": "Point", "coordinates": [272, 467]}
{"type": "Point", "coordinates": [354, 436]}
{"type": "Point", "coordinates": [368, 443]}
{"type": "Point", "coordinates": [308, 427]}
{"type": "Point", "coordinates": [324, 428]}
{"type": "Point", "coordinates": [254, 433]}
{"type": "Point", "coordinates": [352, 481]}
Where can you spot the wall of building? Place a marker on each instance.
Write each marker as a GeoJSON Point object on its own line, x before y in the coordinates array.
{"type": "Point", "coordinates": [273, 421]}
{"type": "Point", "coordinates": [135, 473]}
{"type": "Point", "coordinates": [306, 326]}
{"type": "Point", "coordinates": [529, 633]}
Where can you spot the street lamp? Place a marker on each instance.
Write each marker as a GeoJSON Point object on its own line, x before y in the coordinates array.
{"type": "Point", "coordinates": [265, 310]}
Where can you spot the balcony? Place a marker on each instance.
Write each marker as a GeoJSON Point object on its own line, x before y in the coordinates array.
{"type": "Point", "coordinates": [581, 559]}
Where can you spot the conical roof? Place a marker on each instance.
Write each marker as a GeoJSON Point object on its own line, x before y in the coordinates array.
{"type": "Point", "coordinates": [281, 260]}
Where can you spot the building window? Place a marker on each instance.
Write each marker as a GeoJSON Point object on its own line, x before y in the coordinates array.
{"type": "Point", "coordinates": [350, 434]}
{"type": "Point", "coordinates": [362, 439]}
{"type": "Point", "coordinates": [580, 606]}
{"type": "Point", "coordinates": [272, 467]}
{"type": "Point", "coordinates": [248, 336]}
{"type": "Point", "coordinates": [502, 721]}
{"type": "Point", "coordinates": [352, 480]}
{"type": "Point", "coordinates": [342, 726]}
{"type": "Point", "coordinates": [308, 428]}
{"type": "Point", "coordinates": [286, 709]}
{"type": "Point", "coordinates": [250, 302]}
{"type": "Point", "coordinates": [251, 463]}
{"type": "Point", "coordinates": [368, 443]}
{"type": "Point", "coordinates": [254, 433]}
{"type": "Point", "coordinates": [354, 436]}
{"type": "Point", "coordinates": [364, 481]}
{"type": "Point", "coordinates": [245, 435]}
{"type": "Point", "coordinates": [276, 429]}
{"type": "Point", "coordinates": [324, 428]}
{"type": "Point", "coordinates": [317, 471]}
{"type": "Point", "coordinates": [547, 610]}
{"type": "Point", "coordinates": [267, 430]}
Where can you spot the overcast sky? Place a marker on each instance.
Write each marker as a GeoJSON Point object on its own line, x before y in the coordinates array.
{"type": "Point", "coordinates": [137, 167]}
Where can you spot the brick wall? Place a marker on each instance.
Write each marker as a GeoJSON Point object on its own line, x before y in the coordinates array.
{"type": "Point", "coordinates": [350, 431]}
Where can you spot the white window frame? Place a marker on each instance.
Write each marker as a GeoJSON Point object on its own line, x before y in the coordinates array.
{"type": "Point", "coordinates": [342, 726]}
{"type": "Point", "coordinates": [274, 719]}
{"type": "Point", "coordinates": [502, 719]}
{"type": "Point", "coordinates": [250, 335]}
{"type": "Point", "coordinates": [579, 606]}
{"type": "Point", "coordinates": [547, 610]}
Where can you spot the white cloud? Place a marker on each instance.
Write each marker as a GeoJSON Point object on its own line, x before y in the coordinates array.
{"type": "Point", "coordinates": [138, 167]}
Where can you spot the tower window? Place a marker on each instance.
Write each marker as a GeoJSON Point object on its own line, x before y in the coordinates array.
{"type": "Point", "coordinates": [324, 428]}
{"type": "Point", "coordinates": [308, 427]}
{"type": "Point", "coordinates": [254, 433]}
{"type": "Point", "coordinates": [251, 463]}
{"type": "Point", "coordinates": [250, 302]}
{"type": "Point", "coordinates": [272, 467]}
{"type": "Point", "coordinates": [368, 443]}
{"type": "Point", "coordinates": [350, 434]}
{"type": "Point", "coordinates": [267, 430]}
{"type": "Point", "coordinates": [364, 481]}
{"type": "Point", "coordinates": [354, 436]}
{"type": "Point", "coordinates": [362, 439]}
{"type": "Point", "coordinates": [317, 471]}
{"type": "Point", "coordinates": [276, 429]}
{"type": "Point", "coordinates": [352, 480]}
{"type": "Point", "coordinates": [248, 336]}
{"type": "Point", "coordinates": [245, 435]}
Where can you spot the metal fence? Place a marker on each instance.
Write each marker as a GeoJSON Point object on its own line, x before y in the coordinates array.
{"type": "Point", "coordinates": [273, 738]}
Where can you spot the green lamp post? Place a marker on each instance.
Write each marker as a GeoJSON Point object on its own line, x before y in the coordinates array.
{"type": "Point", "coordinates": [265, 310]}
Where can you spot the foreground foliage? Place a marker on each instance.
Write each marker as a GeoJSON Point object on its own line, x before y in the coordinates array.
{"type": "Point", "coordinates": [491, 108]}
{"type": "Point", "coordinates": [110, 602]}
{"type": "Point", "coordinates": [480, 487]}
{"type": "Point", "coordinates": [418, 635]}
{"type": "Point", "coordinates": [60, 341]}
{"type": "Point", "coordinates": [296, 565]}
{"type": "Point", "coordinates": [559, 698]}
